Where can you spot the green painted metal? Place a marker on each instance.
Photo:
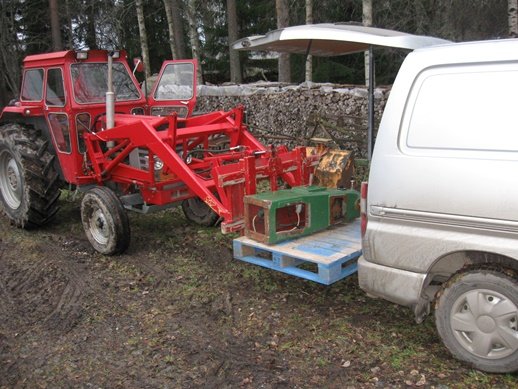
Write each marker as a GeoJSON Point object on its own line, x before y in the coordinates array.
{"type": "Point", "coordinates": [272, 217]}
{"type": "Point", "coordinates": [352, 204]}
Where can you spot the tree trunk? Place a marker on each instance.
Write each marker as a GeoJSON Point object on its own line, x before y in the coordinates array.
{"type": "Point", "coordinates": [309, 57]}
{"type": "Point", "coordinates": [91, 35]}
{"type": "Point", "coordinates": [283, 20]}
{"type": "Point", "coordinates": [70, 36]}
{"type": "Point", "coordinates": [57, 44]}
{"type": "Point", "coordinates": [4, 99]}
{"type": "Point", "coordinates": [143, 41]}
{"type": "Point", "coordinates": [235, 65]}
{"type": "Point", "coordinates": [193, 36]}
{"type": "Point", "coordinates": [367, 21]}
{"type": "Point", "coordinates": [11, 50]}
{"type": "Point", "coordinates": [179, 40]}
{"type": "Point", "coordinates": [170, 27]}
{"type": "Point", "coordinates": [512, 11]}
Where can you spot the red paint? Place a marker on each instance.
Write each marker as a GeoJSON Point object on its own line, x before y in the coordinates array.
{"type": "Point", "coordinates": [222, 179]}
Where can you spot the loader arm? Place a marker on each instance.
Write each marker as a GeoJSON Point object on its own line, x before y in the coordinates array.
{"type": "Point", "coordinates": [221, 178]}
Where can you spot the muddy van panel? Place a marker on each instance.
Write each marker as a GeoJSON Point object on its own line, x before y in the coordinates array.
{"type": "Point", "coordinates": [442, 201]}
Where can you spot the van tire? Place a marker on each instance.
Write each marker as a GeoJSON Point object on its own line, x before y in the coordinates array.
{"type": "Point", "coordinates": [476, 316]}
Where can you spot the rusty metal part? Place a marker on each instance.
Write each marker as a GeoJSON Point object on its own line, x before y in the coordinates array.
{"type": "Point", "coordinates": [335, 169]}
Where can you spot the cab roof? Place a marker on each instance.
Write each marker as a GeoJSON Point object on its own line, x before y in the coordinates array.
{"type": "Point", "coordinates": [60, 57]}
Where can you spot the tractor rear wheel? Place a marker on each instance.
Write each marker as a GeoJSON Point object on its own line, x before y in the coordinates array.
{"type": "Point", "coordinates": [105, 221]}
{"type": "Point", "coordinates": [29, 182]}
{"type": "Point", "coordinates": [198, 212]}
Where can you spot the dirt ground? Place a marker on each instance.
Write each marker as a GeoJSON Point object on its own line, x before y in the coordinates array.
{"type": "Point", "coordinates": [177, 311]}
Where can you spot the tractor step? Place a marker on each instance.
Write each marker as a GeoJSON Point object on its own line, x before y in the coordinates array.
{"type": "Point", "coordinates": [324, 257]}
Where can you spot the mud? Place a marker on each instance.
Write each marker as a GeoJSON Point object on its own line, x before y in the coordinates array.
{"type": "Point", "coordinates": [177, 311]}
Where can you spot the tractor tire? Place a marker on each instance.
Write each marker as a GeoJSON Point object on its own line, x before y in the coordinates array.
{"type": "Point", "coordinates": [29, 182]}
{"type": "Point", "coordinates": [105, 221]}
{"type": "Point", "coordinates": [198, 212]}
{"type": "Point", "coordinates": [476, 316]}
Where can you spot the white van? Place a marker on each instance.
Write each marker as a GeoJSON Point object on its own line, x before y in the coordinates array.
{"type": "Point", "coordinates": [440, 215]}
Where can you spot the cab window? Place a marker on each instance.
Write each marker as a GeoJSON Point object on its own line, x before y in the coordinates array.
{"type": "Point", "coordinates": [176, 83]}
{"type": "Point", "coordinates": [90, 82]}
{"type": "Point", "coordinates": [55, 95]}
{"type": "Point", "coordinates": [60, 130]}
{"type": "Point", "coordinates": [32, 88]}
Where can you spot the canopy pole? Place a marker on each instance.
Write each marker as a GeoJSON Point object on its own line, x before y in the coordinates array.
{"type": "Point", "coordinates": [370, 128]}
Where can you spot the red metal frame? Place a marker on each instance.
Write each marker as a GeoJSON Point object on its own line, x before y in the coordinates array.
{"type": "Point", "coordinates": [221, 180]}
{"type": "Point", "coordinates": [191, 166]}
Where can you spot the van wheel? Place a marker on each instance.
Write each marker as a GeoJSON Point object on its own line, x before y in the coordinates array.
{"type": "Point", "coordinates": [477, 319]}
{"type": "Point", "coordinates": [105, 221]}
{"type": "Point", "coordinates": [29, 182]}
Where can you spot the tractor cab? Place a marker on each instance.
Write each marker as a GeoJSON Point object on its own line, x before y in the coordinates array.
{"type": "Point", "coordinates": [64, 95]}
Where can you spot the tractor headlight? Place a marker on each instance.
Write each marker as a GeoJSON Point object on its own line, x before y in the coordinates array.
{"type": "Point", "coordinates": [158, 164]}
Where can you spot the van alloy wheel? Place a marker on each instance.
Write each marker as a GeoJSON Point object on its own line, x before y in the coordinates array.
{"type": "Point", "coordinates": [477, 318]}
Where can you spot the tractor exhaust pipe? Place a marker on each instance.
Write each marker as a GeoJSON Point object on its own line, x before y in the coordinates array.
{"type": "Point", "coordinates": [110, 96]}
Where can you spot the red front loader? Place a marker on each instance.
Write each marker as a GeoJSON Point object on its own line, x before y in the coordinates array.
{"type": "Point", "coordinates": [82, 120]}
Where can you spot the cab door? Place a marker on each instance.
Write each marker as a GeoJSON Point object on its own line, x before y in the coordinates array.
{"type": "Point", "coordinates": [174, 89]}
{"type": "Point", "coordinates": [60, 123]}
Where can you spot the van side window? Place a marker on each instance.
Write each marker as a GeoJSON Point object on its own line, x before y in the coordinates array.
{"type": "Point", "coordinates": [32, 88]}
{"type": "Point", "coordinates": [463, 108]}
{"type": "Point", "coordinates": [55, 94]}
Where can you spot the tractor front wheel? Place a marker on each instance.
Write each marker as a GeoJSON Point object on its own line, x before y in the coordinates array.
{"type": "Point", "coordinates": [198, 212]}
{"type": "Point", "coordinates": [105, 221]}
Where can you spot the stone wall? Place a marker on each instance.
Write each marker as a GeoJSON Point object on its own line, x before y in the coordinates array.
{"type": "Point", "coordinates": [294, 114]}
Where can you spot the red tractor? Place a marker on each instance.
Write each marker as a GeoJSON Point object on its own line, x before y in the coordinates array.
{"type": "Point", "coordinates": [82, 121]}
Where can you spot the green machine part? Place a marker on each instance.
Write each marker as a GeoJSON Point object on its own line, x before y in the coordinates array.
{"type": "Point", "coordinates": [352, 204]}
{"type": "Point", "coordinates": [272, 217]}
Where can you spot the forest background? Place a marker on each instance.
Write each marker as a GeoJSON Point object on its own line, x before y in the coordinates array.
{"type": "Point", "coordinates": [156, 30]}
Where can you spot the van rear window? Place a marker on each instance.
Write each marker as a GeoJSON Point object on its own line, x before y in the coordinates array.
{"type": "Point", "coordinates": [464, 108]}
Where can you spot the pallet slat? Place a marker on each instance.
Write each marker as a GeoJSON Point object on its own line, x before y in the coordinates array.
{"type": "Point", "coordinates": [331, 253]}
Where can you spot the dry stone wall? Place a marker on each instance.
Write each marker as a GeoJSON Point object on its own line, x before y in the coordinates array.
{"type": "Point", "coordinates": [294, 114]}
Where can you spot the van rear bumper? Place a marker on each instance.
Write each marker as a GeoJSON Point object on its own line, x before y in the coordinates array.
{"type": "Point", "coordinates": [399, 286]}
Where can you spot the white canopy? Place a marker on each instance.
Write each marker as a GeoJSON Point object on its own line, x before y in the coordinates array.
{"type": "Point", "coordinates": [330, 39]}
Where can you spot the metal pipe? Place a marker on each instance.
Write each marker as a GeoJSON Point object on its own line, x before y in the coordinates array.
{"type": "Point", "coordinates": [110, 96]}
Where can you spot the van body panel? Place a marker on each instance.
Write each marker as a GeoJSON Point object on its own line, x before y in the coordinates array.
{"type": "Point", "coordinates": [443, 174]}
{"type": "Point", "coordinates": [402, 287]}
{"type": "Point", "coordinates": [415, 245]}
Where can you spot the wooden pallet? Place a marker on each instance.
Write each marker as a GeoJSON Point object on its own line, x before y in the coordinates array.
{"type": "Point", "coordinates": [324, 257]}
